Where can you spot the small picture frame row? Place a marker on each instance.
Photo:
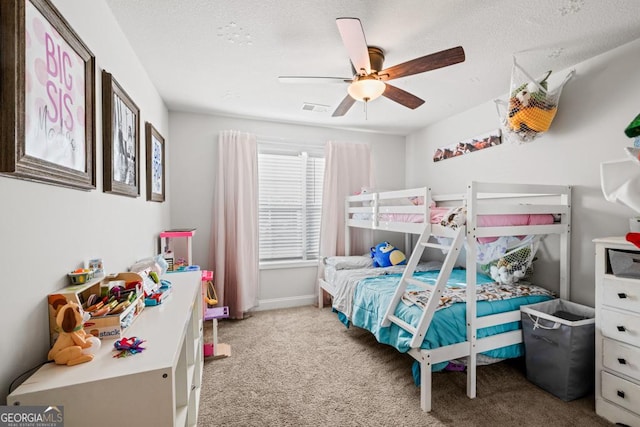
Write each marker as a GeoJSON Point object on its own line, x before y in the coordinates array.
{"type": "Point", "coordinates": [121, 140]}
{"type": "Point", "coordinates": [47, 123]}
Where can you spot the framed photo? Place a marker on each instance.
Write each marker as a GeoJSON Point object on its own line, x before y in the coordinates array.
{"type": "Point", "coordinates": [155, 163]}
{"type": "Point", "coordinates": [120, 139]}
{"type": "Point", "coordinates": [47, 87]}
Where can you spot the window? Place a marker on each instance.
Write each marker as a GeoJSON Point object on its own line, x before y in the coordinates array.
{"type": "Point", "coordinates": [290, 202]}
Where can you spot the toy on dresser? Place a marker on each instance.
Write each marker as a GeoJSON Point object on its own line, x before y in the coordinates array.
{"type": "Point", "coordinates": [73, 345]}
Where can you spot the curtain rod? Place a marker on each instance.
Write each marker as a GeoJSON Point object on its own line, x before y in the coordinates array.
{"type": "Point", "coordinates": [287, 142]}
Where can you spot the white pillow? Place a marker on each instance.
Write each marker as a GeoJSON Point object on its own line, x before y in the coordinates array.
{"type": "Point", "coordinates": [428, 265]}
{"type": "Point", "coordinates": [349, 262]}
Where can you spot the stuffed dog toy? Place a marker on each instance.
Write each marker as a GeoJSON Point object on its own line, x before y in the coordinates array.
{"type": "Point", "coordinates": [72, 339]}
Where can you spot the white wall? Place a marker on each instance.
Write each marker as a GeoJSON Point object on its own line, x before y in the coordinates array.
{"type": "Point", "coordinates": [193, 154]}
{"type": "Point", "coordinates": [47, 231]}
{"type": "Point", "coordinates": [595, 108]}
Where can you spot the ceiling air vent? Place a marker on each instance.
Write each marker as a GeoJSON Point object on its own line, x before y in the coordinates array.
{"type": "Point", "coordinates": [317, 108]}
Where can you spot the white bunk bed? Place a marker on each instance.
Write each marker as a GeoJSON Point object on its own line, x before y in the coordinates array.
{"type": "Point", "coordinates": [382, 211]}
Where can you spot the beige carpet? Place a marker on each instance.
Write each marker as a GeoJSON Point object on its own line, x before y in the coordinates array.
{"type": "Point", "coordinates": [302, 367]}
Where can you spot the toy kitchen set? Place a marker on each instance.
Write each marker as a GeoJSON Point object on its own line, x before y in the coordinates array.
{"type": "Point", "coordinates": [175, 247]}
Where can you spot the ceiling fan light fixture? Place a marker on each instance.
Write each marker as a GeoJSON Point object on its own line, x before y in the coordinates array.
{"type": "Point", "coordinates": [366, 88]}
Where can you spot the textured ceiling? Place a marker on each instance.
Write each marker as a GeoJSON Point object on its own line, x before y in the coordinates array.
{"type": "Point", "coordinates": [224, 57]}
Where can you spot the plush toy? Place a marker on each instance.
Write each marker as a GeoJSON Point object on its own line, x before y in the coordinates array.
{"type": "Point", "coordinates": [385, 255]}
{"type": "Point", "coordinates": [73, 345]}
{"type": "Point", "coordinates": [455, 218]}
{"type": "Point", "coordinates": [529, 108]}
{"type": "Point", "coordinates": [510, 272]}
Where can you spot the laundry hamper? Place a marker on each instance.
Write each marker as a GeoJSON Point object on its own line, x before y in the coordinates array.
{"type": "Point", "coordinates": [559, 343]}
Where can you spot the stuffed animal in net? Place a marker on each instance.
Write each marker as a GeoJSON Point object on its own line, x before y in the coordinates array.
{"type": "Point", "coordinates": [512, 267]}
{"type": "Point", "coordinates": [384, 255]}
{"type": "Point", "coordinates": [73, 345]}
{"type": "Point", "coordinates": [531, 107]}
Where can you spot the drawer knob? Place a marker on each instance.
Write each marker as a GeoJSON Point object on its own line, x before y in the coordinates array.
{"type": "Point", "coordinates": [621, 394]}
{"type": "Point", "coordinates": [621, 328]}
{"type": "Point", "coordinates": [622, 361]}
{"type": "Point", "coordinates": [622, 295]}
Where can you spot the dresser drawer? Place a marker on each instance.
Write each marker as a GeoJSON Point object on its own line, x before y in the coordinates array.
{"type": "Point", "coordinates": [621, 358]}
{"type": "Point", "coordinates": [621, 293]}
{"type": "Point", "coordinates": [620, 326]}
{"type": "Point", "coordinates": [621, 392]}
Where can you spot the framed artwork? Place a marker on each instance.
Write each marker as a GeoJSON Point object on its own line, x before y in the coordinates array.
{"type": "Point", "coordinates": [480, 142]}
{"type": "Point", "coordinates": [120, 139]}
{"type": "Point", "coordinates": [47, 87]}
{"type": "Point", "coordinates": [155, 163]}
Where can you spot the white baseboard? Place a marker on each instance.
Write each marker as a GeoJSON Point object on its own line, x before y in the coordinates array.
{"type": "Point", "coordinates": [274, 303]}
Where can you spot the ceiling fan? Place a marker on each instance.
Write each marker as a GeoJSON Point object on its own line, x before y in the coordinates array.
{"type": "Point", "coordinates": [369, 80]}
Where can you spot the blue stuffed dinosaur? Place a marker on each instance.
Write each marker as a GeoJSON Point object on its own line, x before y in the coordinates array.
{"type": "Point", "coordinates": [384, 255]}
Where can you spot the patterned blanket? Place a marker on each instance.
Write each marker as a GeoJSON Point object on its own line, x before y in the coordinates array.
{"type": "Point", "coordinates": [484, 292]}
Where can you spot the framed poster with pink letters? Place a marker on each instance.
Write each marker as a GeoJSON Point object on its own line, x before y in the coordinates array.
{"type": "Point", "coordinates": [47, 124]}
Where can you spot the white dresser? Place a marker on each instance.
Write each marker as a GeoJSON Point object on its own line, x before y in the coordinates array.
{"type": "Point", "coordinates": [158, 387]}
{"type": "Point", "coordinates": [617, 338]}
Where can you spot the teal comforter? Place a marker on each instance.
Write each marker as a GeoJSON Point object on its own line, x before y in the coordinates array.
{"type": "Point", "coordinates": [448, 326]}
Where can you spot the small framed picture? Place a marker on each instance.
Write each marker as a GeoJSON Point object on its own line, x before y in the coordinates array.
{"type": "Point", "coordinates": [155, 163]}
{"type": "Point", "coordinates": [121, 139]}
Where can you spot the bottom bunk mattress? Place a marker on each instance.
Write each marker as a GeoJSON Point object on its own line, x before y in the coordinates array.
{"type": "Point", "coordinates": [372, 296]}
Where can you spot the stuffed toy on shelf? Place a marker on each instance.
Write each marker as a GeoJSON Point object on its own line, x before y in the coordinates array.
{"type": "Point", "coordinates": [73, 345]}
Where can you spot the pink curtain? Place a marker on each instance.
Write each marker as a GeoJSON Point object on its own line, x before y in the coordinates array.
{"type": "Point", "coordinates": [234, 245]}
{"type": "Point", "coordinates": [348, 168]}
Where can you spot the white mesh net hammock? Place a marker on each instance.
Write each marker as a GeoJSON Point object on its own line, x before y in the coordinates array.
{"type": "Point", "coordinates": [515, 265]}
{"type": "Point", "coordinates": [531, 106]}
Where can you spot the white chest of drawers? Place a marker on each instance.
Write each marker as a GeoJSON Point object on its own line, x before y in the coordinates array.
{"type": "Point", "coordinates": [617, 338]}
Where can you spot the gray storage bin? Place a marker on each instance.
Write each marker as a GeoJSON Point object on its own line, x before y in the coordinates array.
{"type": "Point", "coordinates": [625, 264]}
{"type": "Point", "coordinates": [559, 343]}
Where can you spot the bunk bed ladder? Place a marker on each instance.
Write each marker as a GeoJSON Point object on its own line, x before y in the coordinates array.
{"type": "Point", "coordinates": [419, 331]}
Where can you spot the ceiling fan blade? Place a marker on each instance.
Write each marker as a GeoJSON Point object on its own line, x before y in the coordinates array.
{"type": "Point", "coordinates": [344, 106]}
{"type": "Point", "coordinates": [402, 97]}
{"type": "Point", "coordinates": [434, 61]}
{"type": "Point", "coordinates": [313, 80]}
{"type": "Point", "coordinates": [353, 38]}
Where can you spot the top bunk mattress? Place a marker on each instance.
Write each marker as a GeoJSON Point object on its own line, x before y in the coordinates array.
{"type": "Point", "coordinates": [447, 215]}
{"type": "Point", "coordinates": [496, 208]}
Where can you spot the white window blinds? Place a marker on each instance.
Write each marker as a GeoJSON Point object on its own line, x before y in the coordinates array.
{"type": "Point", "coordinates": [290, 202]}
